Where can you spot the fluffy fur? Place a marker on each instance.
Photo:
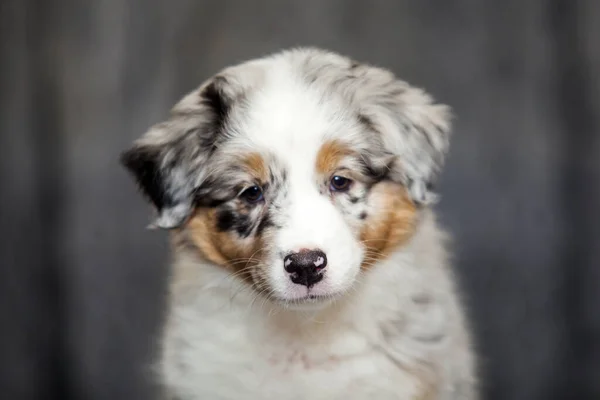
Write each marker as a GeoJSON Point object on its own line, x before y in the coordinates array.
{"type": "Point", "coordinates": [305, 149]}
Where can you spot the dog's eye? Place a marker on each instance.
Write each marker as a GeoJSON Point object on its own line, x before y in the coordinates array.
{"type": "Point", "coordinates": [253, 194]}
{"type": "Point", "coordinates": [339, 183]}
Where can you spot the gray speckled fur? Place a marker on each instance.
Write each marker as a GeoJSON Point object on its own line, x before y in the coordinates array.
{"type": "Point", "coordinates": [409, 135]}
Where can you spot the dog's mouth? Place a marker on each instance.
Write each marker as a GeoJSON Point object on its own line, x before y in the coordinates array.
{"type": "Point", "coordinates": [282, 290]}
{"type": "Point", "coordinates": [314, 298]}
{"type": "Point", "coordinates": [308, 300]}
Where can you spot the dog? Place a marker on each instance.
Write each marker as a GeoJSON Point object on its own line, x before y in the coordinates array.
{"type": "Point", "coordinates": [307, 263]}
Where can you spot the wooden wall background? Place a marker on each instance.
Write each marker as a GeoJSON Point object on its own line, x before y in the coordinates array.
{"type": "Point", "coordinates": [81, 280]}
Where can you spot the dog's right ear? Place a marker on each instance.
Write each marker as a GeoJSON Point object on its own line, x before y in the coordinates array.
{"type": "Point", "coordinates": [165, 173]}
{"type": "Point", "coordinates": [170, 161]}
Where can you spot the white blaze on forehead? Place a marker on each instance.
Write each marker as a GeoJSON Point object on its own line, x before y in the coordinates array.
{"type": "Point", "coordinates": [292, 119]}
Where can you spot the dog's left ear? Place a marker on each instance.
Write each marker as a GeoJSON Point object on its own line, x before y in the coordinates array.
{"type": "Point", "coordinates": [416, 132]}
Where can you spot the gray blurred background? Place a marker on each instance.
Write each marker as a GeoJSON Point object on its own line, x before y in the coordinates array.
{"type": "Point", "coordinates": [82, 282]}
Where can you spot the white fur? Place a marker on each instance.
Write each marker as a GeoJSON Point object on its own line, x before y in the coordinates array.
{"type": "Point", "coordinates": [288, 119]}
{"type": "Point", "coordinates": [398, 334]}
{"type": "Point", "coordinates": [394, 331]}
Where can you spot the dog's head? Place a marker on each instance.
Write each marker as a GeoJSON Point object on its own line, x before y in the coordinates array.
{"type": "Point", "coordinates": [296, 171]}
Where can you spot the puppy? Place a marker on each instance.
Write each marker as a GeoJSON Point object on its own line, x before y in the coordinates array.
{"type": "Point", "coordinates": [307, 262]}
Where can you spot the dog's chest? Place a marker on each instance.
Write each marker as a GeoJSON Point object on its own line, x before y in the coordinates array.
{"type": "Point", "coordinates": [232, 357]}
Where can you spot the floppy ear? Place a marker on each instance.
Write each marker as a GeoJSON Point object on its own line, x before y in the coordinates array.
{"type": "Point", "coordinates": [170, 161]}
{"type": "Point", "coordinates": [425, 131]}
{"type": "Point", "coordinates": [413, 129]}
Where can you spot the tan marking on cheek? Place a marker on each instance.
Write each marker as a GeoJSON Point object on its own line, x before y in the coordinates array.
{"type": "Point", "coordinates": [257, 166]}
{"type": "Point", "coordinates": [389, 224]}
{"type": "Point", "coordinates": [221, 248]}
{"type": "Point", "coordinates": [330, 155]}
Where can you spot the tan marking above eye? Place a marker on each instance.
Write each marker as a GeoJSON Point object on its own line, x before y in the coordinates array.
{"type": "Point", "coordinates": [390, 222]}
{"type": "Point", "coordinates": [257, 167]}
{"type": "Point", "coordinates": [330, 156]}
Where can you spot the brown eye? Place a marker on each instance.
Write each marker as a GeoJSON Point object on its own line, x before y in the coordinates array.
{"type": "Point", "coordinates": [253, 194]}
{"type": "Point", "coordinates": [339, 184]}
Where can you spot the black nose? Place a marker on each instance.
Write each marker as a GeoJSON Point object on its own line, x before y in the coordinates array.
{"type": "Point", "coordinates": [306, 266]}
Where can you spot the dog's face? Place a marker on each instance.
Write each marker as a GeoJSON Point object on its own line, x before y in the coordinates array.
{"type": "Point", "coordinates": [297, 171]}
